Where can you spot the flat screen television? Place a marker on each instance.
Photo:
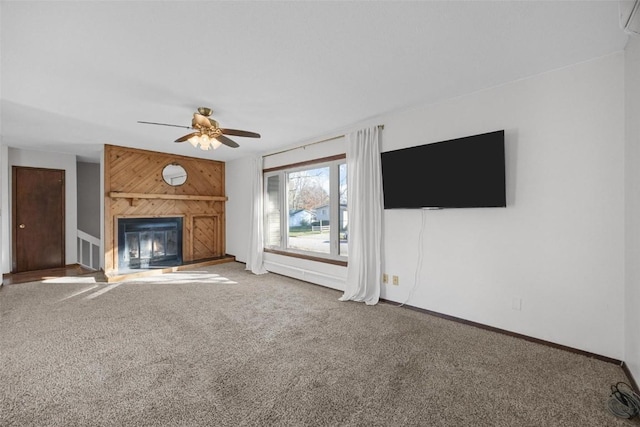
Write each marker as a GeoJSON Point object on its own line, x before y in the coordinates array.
{"type": "Point", "coordinates": [466, 172]}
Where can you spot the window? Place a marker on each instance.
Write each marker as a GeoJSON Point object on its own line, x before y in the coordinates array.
{"type": "Point", "coordinates": [308, 202]}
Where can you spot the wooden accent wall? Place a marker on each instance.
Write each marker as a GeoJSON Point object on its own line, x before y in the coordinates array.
{"type": "Point", "coordinates": [134, 188]}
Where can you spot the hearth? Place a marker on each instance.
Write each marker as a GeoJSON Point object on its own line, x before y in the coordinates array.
{"type": "Point", "coordinates": [145, 243]}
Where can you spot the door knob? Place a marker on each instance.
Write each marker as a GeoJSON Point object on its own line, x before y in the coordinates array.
{"type": "Point", "coordinates": [22, 226]}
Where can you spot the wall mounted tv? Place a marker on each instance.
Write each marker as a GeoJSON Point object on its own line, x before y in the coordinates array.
{"type": "Point", "coordinates": [465, 172]}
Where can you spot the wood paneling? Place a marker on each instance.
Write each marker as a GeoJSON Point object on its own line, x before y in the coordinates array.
{"type": "Point", "coordinates": [206, 232]}
{"type": "Point", "coordinates": [134, 179]}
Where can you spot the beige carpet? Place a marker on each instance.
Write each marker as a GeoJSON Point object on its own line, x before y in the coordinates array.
{"type": "Point", "coordinates": [218, 346]}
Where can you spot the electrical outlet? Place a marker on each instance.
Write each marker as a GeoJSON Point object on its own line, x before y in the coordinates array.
{"type": "Point", "coordinates": [395, 280]}
{"type": "Point", "coordinates": [385, 278]}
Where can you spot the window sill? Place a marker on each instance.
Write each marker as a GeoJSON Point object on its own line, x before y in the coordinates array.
{"type": "Point", "coordinates": [307, 257]}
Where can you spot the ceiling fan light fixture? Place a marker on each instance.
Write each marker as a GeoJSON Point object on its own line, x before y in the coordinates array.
{"type": "Point", "coordinates": [194, 140]}
{"type": "Point", "coordinates": [209, 144]}
{"type": "Point", "coordinates": [204, 142]}
{"type": "Point", "coordinates": [205, 111]}
{"type": "Point", "coordinates": [208, 134]}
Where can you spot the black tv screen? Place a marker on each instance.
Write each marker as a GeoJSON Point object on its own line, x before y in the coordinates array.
{"type": "Point", "coordinates": [465, 172]}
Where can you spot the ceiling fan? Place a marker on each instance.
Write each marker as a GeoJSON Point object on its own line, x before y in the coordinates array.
{"type": "Point", "coordinates": [208, 134]}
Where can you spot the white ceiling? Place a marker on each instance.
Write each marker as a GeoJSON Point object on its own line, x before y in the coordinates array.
{"type": "Point", "coordinates": [79, 74]}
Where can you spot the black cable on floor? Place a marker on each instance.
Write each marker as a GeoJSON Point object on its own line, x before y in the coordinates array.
{"type": "Point", "coordinates": [623, 402]}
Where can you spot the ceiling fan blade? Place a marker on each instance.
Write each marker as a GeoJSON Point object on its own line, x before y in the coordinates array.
{"type": "Point", "coordinates": [226, 141]}
{"type": "Point", "coordinates": [184, 138]}
{"type": "Point", "coordinates": [165, 124]}
{"type": "Point", "coordinates": [201, 121]}
{"type": "Point", "coordinates": [237, 132]}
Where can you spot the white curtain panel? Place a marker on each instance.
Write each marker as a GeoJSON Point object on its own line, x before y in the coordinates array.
{"type": "Point", "coordinates": [255, 254]}
{"type": "Point", "coordinates": [364, 201]}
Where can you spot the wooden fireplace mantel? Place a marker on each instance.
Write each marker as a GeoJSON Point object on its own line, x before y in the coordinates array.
{"type": "Point", "coordinates": [133, 197]}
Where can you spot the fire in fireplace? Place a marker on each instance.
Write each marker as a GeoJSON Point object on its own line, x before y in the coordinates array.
{"type": "Point", "coordinates": [149, 242]}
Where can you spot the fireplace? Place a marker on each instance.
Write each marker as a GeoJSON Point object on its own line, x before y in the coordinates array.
{"type": "Point", "coordinates": [145, 243]}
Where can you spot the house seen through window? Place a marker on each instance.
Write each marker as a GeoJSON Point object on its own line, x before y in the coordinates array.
{"type": "Point", "coordinates": [310, 204]}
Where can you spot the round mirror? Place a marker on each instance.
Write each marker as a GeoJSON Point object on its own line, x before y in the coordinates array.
{"type": "Point", "coordinates": [174, 174]}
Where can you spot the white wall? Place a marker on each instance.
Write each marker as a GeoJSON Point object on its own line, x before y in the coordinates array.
{"type": "Point", "coordinates": [49, 160]}
{"type": "Point", "coordinates": [237, 209]}
{"type": "Point", "coordinates": [4, 195]}
{"type": "Point", "coordinates": [632, 169]}
{"type": "Point", "coordinates": [558, 248]}
{"type": "Point", "coordinates": [88, 198]}
{"type": "Point", "coordinates": [5, 209]}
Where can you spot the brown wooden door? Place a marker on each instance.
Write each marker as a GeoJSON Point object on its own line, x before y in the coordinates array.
{"type": "Point", "coordinates": [38, 219]}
